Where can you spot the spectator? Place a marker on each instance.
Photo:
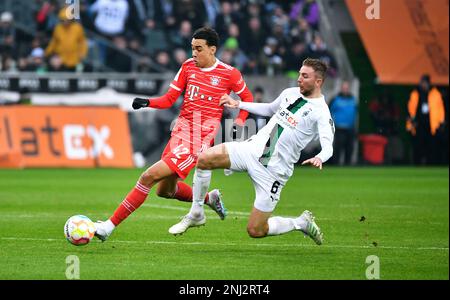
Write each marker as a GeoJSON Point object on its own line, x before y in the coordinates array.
{"type": "Point", "coordinates": [179, 56]}
{"type": "Point", "coordinates": [116, 59]}
{"type": "Point", "coordinates": [110, 17]}
{"type": "Point", "coordinates": [255, 37]}
{"type": "Point", "coordinates": [144, 64]}
{"type": "Point", "coordinates": [47, 17]}
{"type": "Point", "coordinates": [272, 61]}
{"type": "Point", "coordinates": [7, 64]}
{"type": "Point", "coordinates": [7, 34]}
{"type": "Point", "coordinates": [301, 31]}
{"type": "Point", "coordinates": [343, 109]}
{"type": "Point", "coordinates": [293, 59]}
{"type": "Point", "coordinates": [36, 61]}
{"type": "Point", "coordinates": [163, 59]}
{"type": "Point", "coordinates": [212, 8]}
{"type": "Point", "coordinates": [426, 121]}
{"type": "Point", "coordinates": [182, 38]}
{"type": "Point", "coordinates": [192, 10]}
{"type": "Point", "coordinates": [279, 18]}
{"type": "Point", "coordinates": [253, 66]}
{"type": "Point", "coordinates": [307, 9]}
{"type": "Point", "coordinates": [55, 64]}
{"type": "Point", "coordinates": [231, 54]}
{"type": "Point", "coordinates": [225, 18]}
{"type": "Point", "coordinates": [68, 42]}
{"type": "Point", "coordinates": [318, 50]}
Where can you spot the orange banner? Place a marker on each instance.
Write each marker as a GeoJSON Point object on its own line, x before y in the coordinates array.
{"type": "Point", "coordinates": [38, 136]}
{"type": "Point", "coordinates": [404, 38]}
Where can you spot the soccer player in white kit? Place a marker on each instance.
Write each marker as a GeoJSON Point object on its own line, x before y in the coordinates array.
{"type": "Point", "coordinates": [299, 115]}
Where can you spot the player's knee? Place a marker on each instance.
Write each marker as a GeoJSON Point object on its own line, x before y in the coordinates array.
{"type": "Point", "coordinates": [204, 161]}
{"type": "Point", "coordinates": [255, 232]}
{"type": "Point", "coordinates": [148, 178]}
{"type": "Point", "coordinates": [164, 193]}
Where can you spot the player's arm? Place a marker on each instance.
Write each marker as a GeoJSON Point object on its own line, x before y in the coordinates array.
{"type": "Point", "coordinates": [261, 109]}
{"type": "Point", "coordinates": [325, 126]}
{"type": "Point", "coordinates": [168, 99]}
{"type": "Point", "coordinates": [165, 101]}
{"type": "Point", "coordinates": [240, 88]}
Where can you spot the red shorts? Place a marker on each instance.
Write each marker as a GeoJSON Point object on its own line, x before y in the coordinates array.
{"type": "Point", "coordinates": [180, 157]}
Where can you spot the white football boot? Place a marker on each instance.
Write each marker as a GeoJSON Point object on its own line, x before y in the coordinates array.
{"type": "Point", "coordinates": [103, 229]}
{"type": "Point", "coordinates": [186, 223]}
{"type": "Point", "coordinates": [216, 203]}
{"type": "Point", "coordinates": [309, 227]}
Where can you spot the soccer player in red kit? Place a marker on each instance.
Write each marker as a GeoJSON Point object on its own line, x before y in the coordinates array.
{"type": "Point", "coordinates": [203, 79]}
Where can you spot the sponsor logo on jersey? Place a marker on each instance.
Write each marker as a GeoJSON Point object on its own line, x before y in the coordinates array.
{"type": "Point", "coordinates": [285, 118]}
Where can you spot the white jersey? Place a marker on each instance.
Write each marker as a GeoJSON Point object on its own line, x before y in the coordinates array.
{"type": "Point", "coordinates": [111, 16]}
{"type": "Point", "coordinates": [296, 121]}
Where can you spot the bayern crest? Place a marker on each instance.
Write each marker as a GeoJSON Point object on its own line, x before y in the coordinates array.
{"type": "Point", "coordinates": [215, 80]}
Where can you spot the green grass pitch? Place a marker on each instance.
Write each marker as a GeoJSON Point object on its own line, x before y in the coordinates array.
{"type": "Point", "coordinates": [405, 225]}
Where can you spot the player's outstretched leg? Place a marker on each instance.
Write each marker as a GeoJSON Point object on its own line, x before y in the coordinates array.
{"type": "Point", "coordinates": [134, 199]}
{"type": "Point", "coordinates": [309, 227]}
{"type": "Point", "coordinates": [304, 223]}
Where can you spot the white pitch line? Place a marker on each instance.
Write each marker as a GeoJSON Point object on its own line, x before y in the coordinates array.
{"type": "Point", "coordinates": [239, 213]}
{"type": "Point", "coordinates": [240, 244]}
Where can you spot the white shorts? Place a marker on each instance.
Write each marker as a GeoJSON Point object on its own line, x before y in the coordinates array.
{"type": "Point", "coordinates": [267, 187]}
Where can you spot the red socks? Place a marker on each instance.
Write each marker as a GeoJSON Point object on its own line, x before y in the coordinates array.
{"type": "Point", "coordinates": [184, 192]}
{"type": "Point", "coordinates": [139, 193]}
{"type": "Point", "coordinates": [132, 201]}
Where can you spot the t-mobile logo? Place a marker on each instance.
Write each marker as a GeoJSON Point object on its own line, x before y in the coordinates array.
{"type": "Point", "coordinates": [373, 9]}
{"type": "Point", "coordinates": [193, 91]}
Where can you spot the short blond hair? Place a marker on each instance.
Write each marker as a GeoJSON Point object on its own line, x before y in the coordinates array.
{"type": "Point", "coordinates": [319, 67]}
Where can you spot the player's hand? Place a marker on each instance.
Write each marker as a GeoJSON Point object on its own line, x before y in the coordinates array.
{"type": "Point", "coordinates": [229, 102]}
{"type": "Point", "coordinates": [140, 103]}
{"type": "Point", "coordinates": [239, 122]}
{"type": "Point", "coordinates": [315, 161]}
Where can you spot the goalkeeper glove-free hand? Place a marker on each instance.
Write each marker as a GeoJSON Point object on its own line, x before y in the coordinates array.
{"type": "Point", "coordinates": [140, 102]}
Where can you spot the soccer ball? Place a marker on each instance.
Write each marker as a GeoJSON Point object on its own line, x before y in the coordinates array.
{"type": "Point", "coordinates": [79, 230]}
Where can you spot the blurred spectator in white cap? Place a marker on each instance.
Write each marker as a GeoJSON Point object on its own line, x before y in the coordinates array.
{"type": "Point", "coordinates": [36, 61]}
{"type": "Point", "coordinates": [7, 34]}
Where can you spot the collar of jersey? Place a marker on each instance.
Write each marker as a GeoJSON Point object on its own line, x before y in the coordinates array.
{"type": "Point", "coordinates": [311, 99]}
{"type": "Point", "coordinates": [210, 68]}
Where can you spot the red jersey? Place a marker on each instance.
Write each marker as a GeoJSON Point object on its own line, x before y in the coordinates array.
{"type": "Point", "coordinates": [201, 113]}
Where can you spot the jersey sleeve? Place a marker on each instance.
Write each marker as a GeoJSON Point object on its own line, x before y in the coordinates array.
{"type": "Point", "coordinates": [325, 126]}
{"type": "Point", "coordinates": [263, 109]}
{"type": "Point", "coordinates": [180, 80]}
{"type": "Point", "coordinates": [239, 87]}
{"type": "Point", "coordinates": [237, 82]}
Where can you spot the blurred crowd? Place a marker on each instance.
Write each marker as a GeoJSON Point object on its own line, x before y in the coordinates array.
{"type": "Point", "coordinates": [260, 37]}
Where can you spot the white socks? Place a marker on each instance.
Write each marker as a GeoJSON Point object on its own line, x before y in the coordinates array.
{"type": "Point", "coordinates": [109, 226]}
{"type": "Point", "coordinates": [280, 225]}
{"type": "Point", "coordinates": [200, 186]}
